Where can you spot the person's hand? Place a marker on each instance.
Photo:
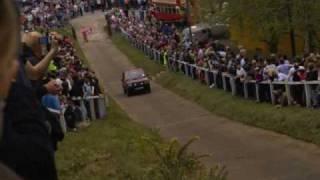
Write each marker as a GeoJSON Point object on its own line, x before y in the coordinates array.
{"type": "Point", "coordinates": [55, 41]}
{"type": "Point", "coordinates": [56, 36]}
{"type": "Point", "coordinates": [53, 87]}
{"type": "Point", "coordinates": [54, 45]}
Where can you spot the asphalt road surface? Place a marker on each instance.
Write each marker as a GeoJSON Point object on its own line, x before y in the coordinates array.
{"type": "Point", "coordinates": [249, 153]}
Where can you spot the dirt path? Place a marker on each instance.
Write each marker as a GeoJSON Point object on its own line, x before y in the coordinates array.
{"type": "Point", "coordinates": [249, 153]}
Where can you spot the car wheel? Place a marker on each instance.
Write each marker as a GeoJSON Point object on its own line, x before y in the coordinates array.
{"type": "Point", "coordinates": [128, 93]}
{"type": "Point", "coordinates": [148, 89]}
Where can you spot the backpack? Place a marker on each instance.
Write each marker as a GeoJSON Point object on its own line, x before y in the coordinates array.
{"type": "Point", "coordinates": [56, 131]}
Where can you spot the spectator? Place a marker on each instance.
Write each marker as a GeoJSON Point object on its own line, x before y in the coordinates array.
{"type": "Point", "coordinates": [72, 115]}
{"type": "Point", "coordinates": [284, 66]}
{"type": "Point", "coordinates": [215, 55]}
{"type": "Point", "coordinates": [8, 68]}
{"type": "Point", "coordinates": [27, 146]}
{"type": "Point", "coordinates": [312, 75]}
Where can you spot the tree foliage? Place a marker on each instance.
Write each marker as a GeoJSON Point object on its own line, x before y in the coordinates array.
{"type": "Point", "coordinates": [271, 19]}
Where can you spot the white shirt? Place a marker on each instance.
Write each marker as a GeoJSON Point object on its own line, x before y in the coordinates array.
{"type": "Point", "coordinates": [30, 17]}
{"type": "Point", "coordinates": [200, 54]}
{"type": "Point", "coordinates": [241, 72]}
{"type": "Point", "coordinates": [243, 62]}
{"type": "Point", "coordinates": [282, 77]}
{"type": "Point", "coordinates": [291, 72]}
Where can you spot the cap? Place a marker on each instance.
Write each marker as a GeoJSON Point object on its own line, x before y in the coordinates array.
{"type": "Point", "coordinates": [301, 68]}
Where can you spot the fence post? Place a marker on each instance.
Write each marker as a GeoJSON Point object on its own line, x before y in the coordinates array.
{"type": "Point", "coordinates": [186, 72]}
{"type": "Point", "coordinates": [245, 89]}
{"type": "Point", "coordinates": [193, 71]}
{"type": "Point", "coordinates": [308, 94]}
{"type": "Point", "coordinates": [257, 92]}
{"type": "Point", "coordinates": [169, 63]}
{"type": "Point", "coordinates": [150, 52]}
{"type": "Point", "coordinates": [154, 54]}
{"type": "Point", "coordinates": [102, 108]}
{"type": "Point", "coordinates": [224, 83]}
{"type": "Point", "coordinates": [273, 100]}
{"type": "Point", "coordinates": [215, 78]}
{"type": "Point", "coordinates": [92, 109]}
{"type": "Point", "coordinates": [158, 56]}
{"type": "Point", "coordinates": [206, 76]}
{"type": "Point", "coordinates": [288, 93]}
{"type": "Point", "coordinates": [233, 85]}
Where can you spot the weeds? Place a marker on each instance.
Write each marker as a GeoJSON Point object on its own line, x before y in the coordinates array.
{"type": "Point", "coordinates": [176, 163]}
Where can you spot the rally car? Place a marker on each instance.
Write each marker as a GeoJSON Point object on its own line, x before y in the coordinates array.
{"type": "Point", "coordinates": [135, 80]}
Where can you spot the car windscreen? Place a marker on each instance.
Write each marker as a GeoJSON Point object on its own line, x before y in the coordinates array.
{"type": "Point", "coordinates": [136, 74]}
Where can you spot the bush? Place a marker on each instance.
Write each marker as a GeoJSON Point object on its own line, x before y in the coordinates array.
{"type": "Point", "coordinates": [176, 163]}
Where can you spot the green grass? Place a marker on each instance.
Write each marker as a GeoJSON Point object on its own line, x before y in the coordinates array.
{"type": "Point", "coordinates": [296, 122]}
{"type": "Point", "coordinates": [108, 149]}
{"type": "Point", "coordinates": [120, 149]}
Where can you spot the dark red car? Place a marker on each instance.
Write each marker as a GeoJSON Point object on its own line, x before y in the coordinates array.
{"type": "Point", "coordinates": [135, 80]}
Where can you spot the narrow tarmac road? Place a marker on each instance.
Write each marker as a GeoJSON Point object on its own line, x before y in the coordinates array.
{"type": "Point", "coordinates": [249, 153]}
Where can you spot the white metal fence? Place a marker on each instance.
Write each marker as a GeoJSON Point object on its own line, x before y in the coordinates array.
{"type": "Point", "coordinates": [259, 91]}
{"type": "Point", "coordinates": [94, 107]}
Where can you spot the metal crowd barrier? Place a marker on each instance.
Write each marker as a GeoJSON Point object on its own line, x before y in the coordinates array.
{"type": "Point", "coordinates": [97, 110]}
{"type": "Point", "coordinates": [95, 106]}
{"type": "Point", "coordinates": [249, 89]}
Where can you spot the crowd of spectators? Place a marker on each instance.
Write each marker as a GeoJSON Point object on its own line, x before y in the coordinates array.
{"type": "Point", "coordinates": [41, 92]}
{"type": "Point", "coordinates": [215, 56]}
{"type": "Point", "coordinates": [65, 67]}
{"type": "Point", "coordinates": [56, 13]}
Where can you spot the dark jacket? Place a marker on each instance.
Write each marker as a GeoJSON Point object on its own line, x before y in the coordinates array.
{"type": "Point", "coordinates": [312, 76]}
{"type": "Point", "coordinates": [26, 146]}
{"type": "Point", "coordinates": [7, 174]}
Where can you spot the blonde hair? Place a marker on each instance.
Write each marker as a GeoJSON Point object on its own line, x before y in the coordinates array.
{"type": "Point", "coordinates": [9, 37]}
{"type": "Point", "coordinates": [31, 38]}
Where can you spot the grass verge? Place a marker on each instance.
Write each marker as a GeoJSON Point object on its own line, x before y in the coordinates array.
{"type": "Point", "coordinates": [108, 149]}
{"type": "Point", "coordinates": [296, 122]}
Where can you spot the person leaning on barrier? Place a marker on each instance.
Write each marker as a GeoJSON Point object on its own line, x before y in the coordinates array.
{"type": "Point", "coordinates": [313, 75]}
{"type": "Point", "coordinates": [26, 146]}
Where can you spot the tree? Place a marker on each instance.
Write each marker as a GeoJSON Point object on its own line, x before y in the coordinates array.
{"type": "Point", "coordinates": [265, 17]}
{"type": "Point", "coordinates": [270, 19]}
{"type": "Point", "coordinates": [307, 15]}
{"type": "Point", "coordinates": [212, 11]}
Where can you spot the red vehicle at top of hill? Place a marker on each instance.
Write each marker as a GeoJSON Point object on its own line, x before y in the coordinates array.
{"type": "Point", "coordinates": [168, 10]}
